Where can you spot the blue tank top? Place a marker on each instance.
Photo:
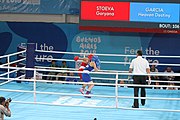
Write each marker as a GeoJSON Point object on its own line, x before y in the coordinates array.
{"type": "Point", "coordinates": [89, 68]}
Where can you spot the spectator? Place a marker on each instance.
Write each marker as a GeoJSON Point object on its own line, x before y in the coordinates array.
{"type": "Point", "coordinates": [153, 69]}
{"type": "Point", "coordinates": [169, 78]}
{"type": "Point", "coordinates": [53, 66]}
{"type": "Point", "coordinates": [177, 78]}
{"type": "Point", "coordinates": [167, 71]}
{"type": "Point", "coordinates": [64, 65]}
{"type": "Point", "coordinates": [71, 78]}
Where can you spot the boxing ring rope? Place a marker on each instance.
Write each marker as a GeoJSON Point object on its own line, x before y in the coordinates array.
{"type": "Point", "coordinates": [76, 69]}
{"type": "Point", "coordinates": [12, 54]}
{"type": "Point", "coordinates": [110, 62]}
{"type": "Point", "coordinates": [9, 63]}
{"type": "Point", "coordinates": [102, 84]}
{"type": "Point", "coordinates": [102, 71]}
{"type": "Point", "coordinates": [16, 61]}
{"type": "Point", "coordinates": [116, 85]}
{"type": "Point", "coordinates": [31, 80]}
{"type": "Point", "coordinates": [112, 55]}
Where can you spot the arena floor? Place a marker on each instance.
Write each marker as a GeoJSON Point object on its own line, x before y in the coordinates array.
{"type": "Point", "coordinates": [21, 111]}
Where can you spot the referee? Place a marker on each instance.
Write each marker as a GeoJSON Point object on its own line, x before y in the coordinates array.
{"type": "Point", "coordinates": [139, 65]}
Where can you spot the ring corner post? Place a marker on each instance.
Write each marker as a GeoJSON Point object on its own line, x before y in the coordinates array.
{"type": "Point", "coordinates": [30, 60]}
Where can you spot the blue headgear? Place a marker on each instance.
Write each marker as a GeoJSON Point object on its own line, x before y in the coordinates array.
{"type": "Point", "coordinates": [97, 61]}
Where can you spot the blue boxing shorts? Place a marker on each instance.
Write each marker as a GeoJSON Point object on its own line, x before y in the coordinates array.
{"type": "Point", "coordinates": [86, 77]}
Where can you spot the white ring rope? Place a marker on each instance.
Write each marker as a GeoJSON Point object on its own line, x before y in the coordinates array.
{"type": "Point", "coordinates": [112, 79]}
{"type": "Point", "coordinates": [102, 71]}
{"type": "Point", "coordinates": [13, 54]}
{"type": "Point", "coordinates": [108, 73]}
{"type": "Point", "coordinates": [16, 61]}
{"type": "Point", "coordinates": [8, 73]}
{"type": "Point", "coordinates": [9, 79]}
{"type": "Point", "coordinates": [101, 84]}
{"type": "Point", "coordinates": [112, 55]}
{"type": "Point", "coordinates": [107, 62]}
{"type": "Point", "coordinates": [75, 69]}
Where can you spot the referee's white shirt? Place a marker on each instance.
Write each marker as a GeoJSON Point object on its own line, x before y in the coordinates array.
{"type": "Point", "coordinates": [139, 65]}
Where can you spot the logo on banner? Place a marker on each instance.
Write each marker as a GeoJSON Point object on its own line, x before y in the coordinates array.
{"type": "Point", "coordinates": [148, 51]}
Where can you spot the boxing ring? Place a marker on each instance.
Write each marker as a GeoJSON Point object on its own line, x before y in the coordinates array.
{"type": "Point", "coordinates": [38, 98]}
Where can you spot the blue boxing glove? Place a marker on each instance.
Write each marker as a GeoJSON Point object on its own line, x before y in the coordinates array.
{"type": "Point", "coordinates": [97, 61]}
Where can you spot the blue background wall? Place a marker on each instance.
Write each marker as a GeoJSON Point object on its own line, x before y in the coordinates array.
{"type": "Point", "coordinates": [67, 37]}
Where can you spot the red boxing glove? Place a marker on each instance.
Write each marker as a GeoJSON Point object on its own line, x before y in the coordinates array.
{"type": "Point", "coordinates": [90, 56]}
{"type": "Point", "coordinates": [76, 58]}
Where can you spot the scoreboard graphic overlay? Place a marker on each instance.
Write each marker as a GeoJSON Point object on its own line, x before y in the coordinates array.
{"type": "Point", "coordinates": [153, 16]}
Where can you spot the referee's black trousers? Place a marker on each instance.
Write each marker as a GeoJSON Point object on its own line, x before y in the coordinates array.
{"type": "Point", "coordinates": [142, 81]}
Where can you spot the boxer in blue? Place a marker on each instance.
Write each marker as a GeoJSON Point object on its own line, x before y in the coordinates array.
{"type": "Point", "coordinates": [94, 65]}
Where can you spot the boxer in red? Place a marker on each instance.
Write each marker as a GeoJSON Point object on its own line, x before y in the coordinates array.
{"type": "Point", "coordinates": [84, 63]}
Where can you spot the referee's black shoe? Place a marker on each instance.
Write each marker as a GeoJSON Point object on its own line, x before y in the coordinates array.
{"type": "Point", "coordinates": [135, 106]}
